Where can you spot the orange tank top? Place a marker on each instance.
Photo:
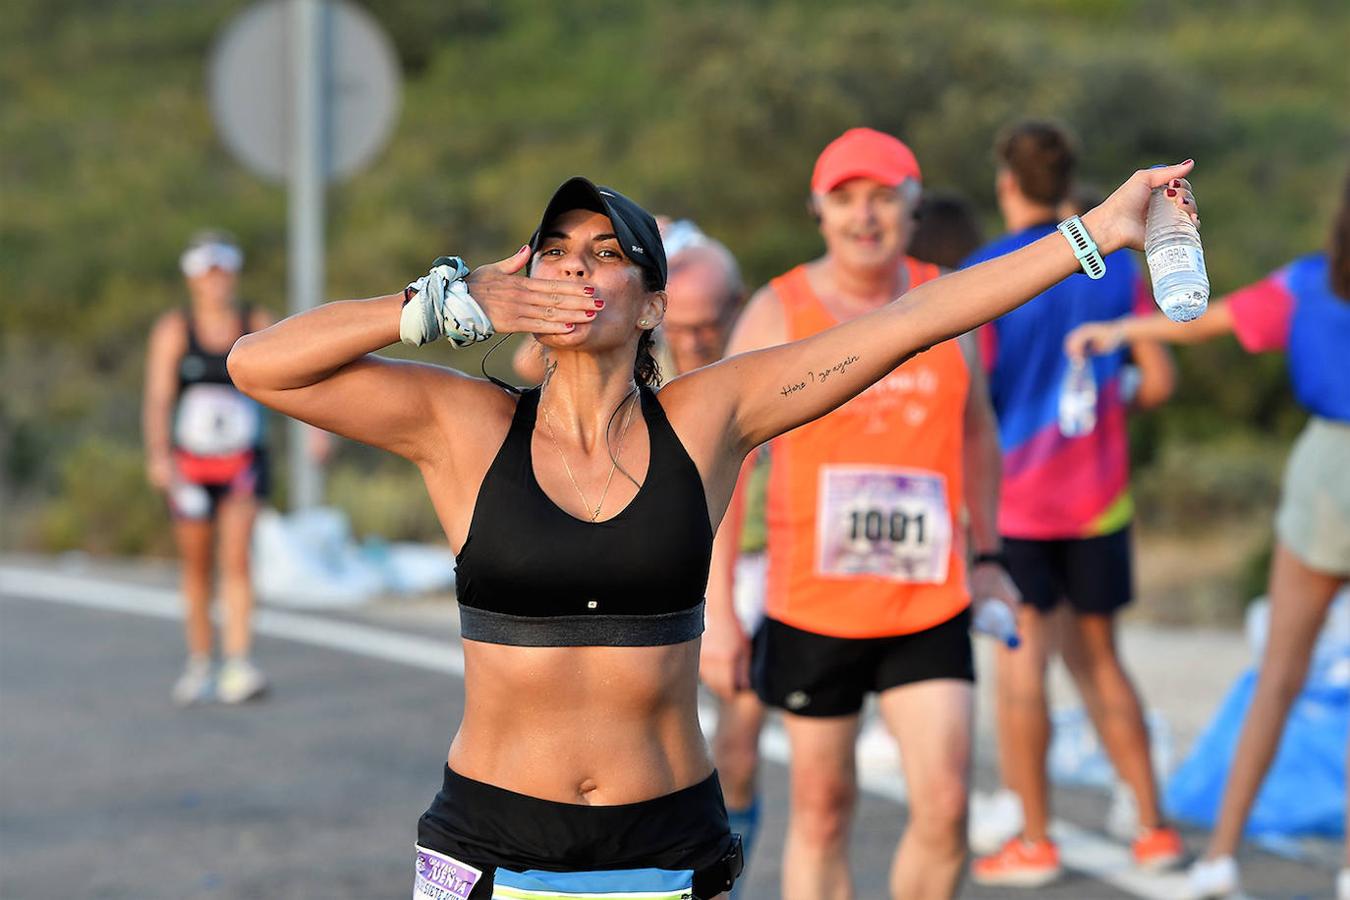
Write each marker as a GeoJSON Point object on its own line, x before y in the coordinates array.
{"type": "Point", "coordinates": [864, 504]}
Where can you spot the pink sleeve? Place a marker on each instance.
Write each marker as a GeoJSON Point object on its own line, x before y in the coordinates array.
{"type": "Point", "coordinates": [1261, 313]}
{"type": "Point", "coordinates": [986, 339]}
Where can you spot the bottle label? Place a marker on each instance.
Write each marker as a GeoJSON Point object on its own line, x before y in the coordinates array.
{"type": "Point", "coordinates": [1164, 261]}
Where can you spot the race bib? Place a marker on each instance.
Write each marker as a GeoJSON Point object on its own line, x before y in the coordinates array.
{"type": "Point", "coordinates": [886, 522]}
{"type": "Point", "coordinates": [215, 420]}
{"type": "Point", "coordinates": [441, 877]}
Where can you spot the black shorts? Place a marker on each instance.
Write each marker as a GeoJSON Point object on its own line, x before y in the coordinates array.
{"type": "Point", "coordinates": [1095, 575]}
{"type": "Point", "coordinates": [489, 827]}
{"type": "Point", "coordinates": [811, 674]}
{"type": "Point", "coordinates": [200, 500]}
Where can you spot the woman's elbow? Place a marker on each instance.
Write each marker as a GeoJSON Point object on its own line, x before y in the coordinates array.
{"type": "Point", "coordinates": [241, 363]}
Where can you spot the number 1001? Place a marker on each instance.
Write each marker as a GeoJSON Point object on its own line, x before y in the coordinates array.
{"type": "Point", "coordinates": [876, 525]}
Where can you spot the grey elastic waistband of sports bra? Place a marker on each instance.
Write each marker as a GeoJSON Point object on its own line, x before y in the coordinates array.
{"type": "Point", "coordinates": [581, 631]}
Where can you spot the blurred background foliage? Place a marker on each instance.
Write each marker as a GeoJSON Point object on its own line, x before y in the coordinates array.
{"type": "Point", "coordinates": [712, 110]}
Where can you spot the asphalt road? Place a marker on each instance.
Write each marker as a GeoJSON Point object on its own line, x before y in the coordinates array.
{"type": "Point", "coordinates": [107, 791]}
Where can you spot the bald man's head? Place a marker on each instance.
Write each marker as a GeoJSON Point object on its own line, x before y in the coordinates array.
{"type": "Point", "coordinates": [705, 294]}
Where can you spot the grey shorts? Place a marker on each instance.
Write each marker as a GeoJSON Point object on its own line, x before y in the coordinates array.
{"type": "Point", "coordinates": [1314, 516]}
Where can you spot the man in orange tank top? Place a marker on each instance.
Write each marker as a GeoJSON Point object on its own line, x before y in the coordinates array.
{"type": "Point", "coordinates": [868, 588]}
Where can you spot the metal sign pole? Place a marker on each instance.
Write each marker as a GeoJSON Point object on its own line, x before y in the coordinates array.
{"type": "Point", "coordinates": [309, 53]}
{"type": "Point", "coordinates": [304, 91]}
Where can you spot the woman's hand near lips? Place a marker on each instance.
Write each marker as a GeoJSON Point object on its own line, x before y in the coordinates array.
{"type": "Point", "coordinates": [532, 305]}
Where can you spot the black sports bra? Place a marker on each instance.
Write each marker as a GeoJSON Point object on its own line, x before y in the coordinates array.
{"type": "Point", "coordinates": [531, 574]}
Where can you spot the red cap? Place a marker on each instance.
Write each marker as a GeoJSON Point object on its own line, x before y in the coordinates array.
{"type": "Point", "coordinates": [864, 153]}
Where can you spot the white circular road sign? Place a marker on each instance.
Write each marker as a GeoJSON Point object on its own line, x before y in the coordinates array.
{"type": "Point", "coordinates": [252, 76]}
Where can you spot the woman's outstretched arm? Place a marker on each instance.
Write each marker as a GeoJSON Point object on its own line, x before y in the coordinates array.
{"type": "Point", "coordinates": [318, 366]}
{"type": "Point", "coordinates": [771, 391]}
{"type": "Point", "coordinates": [1104, 337]}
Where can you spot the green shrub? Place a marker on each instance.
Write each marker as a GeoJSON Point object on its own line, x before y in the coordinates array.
{"type": "Point", "coordinates": [104, 504]}
{"type": "Point", "coordinates": [388, 501]}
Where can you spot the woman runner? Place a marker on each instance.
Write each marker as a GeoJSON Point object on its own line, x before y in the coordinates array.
{"type": "Point", "coordinates": [204, 451]}
{"type": "Point", "coordinates": [583, 514]}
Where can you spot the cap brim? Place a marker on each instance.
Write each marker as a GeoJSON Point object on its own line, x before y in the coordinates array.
{"type": "Point", "coordinates": [581, 193]}
{"type": "Point", "coordinates": [837, 178]}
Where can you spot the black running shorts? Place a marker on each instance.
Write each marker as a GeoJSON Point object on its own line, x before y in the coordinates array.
{"type": "Point", "coordinates": [1093, 575]}
{"type": "Point", "coordinates": [811, 674]}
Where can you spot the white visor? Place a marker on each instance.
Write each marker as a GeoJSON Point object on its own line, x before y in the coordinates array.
{"type": "Point", "coordinates": [203, 258]}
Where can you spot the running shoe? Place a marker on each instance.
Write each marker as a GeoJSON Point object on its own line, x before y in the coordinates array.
{"type": "Point", "coordinates": [240, 680]}
{"type": "Point", "coordinates": [1210, 878]}
{"type": "Point", "coordinates": [1019, 863]}
{"type": "Point", "coordinates": [1156, 849]}
{"type": "Point", "coordinates": [194, 685]}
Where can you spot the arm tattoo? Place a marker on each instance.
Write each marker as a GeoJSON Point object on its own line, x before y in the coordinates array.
{"type": "Point", "coordinates": [818, 376]}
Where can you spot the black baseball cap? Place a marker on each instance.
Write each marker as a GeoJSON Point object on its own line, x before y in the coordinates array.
{"type": "Point", "coordinates": [636, 228]}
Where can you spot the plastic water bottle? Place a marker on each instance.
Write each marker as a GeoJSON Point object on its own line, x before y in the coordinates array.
{"type": "Point", "coordinates": [1176, 262]}
{"type": "Point", "coordinates": [1078, 399]}
{"type": "Point", "coordinates": [995, 619]}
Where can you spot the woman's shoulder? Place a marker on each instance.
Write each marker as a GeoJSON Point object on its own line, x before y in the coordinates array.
{"type": "Point", "coordinates": [170, 327]}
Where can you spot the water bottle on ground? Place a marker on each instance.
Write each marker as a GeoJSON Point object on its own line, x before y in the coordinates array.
{"type": "Point", "coordinates": [1176, 262]}
{"type": "Point", "coordinates": [1078, 399]}
{"type": "Point", "coordinates": [995, 619]}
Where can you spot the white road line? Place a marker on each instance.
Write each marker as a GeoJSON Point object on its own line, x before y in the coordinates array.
{"type": "Point", "coordinates": [1080, 849]}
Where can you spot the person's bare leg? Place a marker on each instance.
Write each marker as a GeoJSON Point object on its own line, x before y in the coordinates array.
{"type": "Point", "coordinates": [235, 517]}
{"type": "Point", "coordinates": [735, 747]}
{"type": "Point", "coordinates": [1023, 720]}
{"type": "Point", "coordinates": [1299, 599]}
{"type": "Point", "coordinates": [1112, 703]}
{"type": "Point", "coordinates": [195, 538]}
{"type": "Point", "coordinates": [931, 721]}
{"type": "Point", "coordinates": [824, 779]}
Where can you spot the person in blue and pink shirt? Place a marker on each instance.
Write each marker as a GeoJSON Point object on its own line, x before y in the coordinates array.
{"type": "Point", "coordinates": [1065, 512]}
{"type": "Point", "coordinates": [1302, 309]}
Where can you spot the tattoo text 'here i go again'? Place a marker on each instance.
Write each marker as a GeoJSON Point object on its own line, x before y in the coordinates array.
{"type": "Point", "coordinates": [814, 376]}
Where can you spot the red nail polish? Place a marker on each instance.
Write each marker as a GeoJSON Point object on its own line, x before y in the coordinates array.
{"type": "Point", "coordinates": [590, 314]}
{"type": "Point", "coordinates": [599, 304]}
{"type": "Point", "coordinates": [588, 291]}
{"type": "Point", "coordinates": [523, 248]}
{"type": "Point", "coordinates": [571, 326]}
{"type": "Point", "coordinates": [1171, 193]}
{"type": "Point", "coordinates": [1176, 182]}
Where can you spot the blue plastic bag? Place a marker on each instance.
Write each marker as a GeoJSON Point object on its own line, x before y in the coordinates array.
{"type": "Point", "coordinates": [1304, 791]}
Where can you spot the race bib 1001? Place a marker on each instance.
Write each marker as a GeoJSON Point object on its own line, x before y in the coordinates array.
{"type": "Point", "coordinates": [886, 522]}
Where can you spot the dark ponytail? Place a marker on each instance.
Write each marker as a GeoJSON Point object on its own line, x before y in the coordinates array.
{"type": "Point", "coordinates": [646, 370]}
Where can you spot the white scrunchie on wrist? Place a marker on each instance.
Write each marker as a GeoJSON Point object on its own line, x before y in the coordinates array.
{"type": "Point", "coordinates": [439, 303]}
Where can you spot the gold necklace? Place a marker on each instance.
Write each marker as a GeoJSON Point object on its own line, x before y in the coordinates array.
{"type": "Point", "coordinates": [595, 514]}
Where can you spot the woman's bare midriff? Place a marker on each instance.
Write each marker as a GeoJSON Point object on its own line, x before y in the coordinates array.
{"type": "Point", "coordinates": [592, 725]}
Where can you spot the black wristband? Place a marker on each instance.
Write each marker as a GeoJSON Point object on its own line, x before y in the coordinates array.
{"type": "Point", "coordinates": [998, 557]}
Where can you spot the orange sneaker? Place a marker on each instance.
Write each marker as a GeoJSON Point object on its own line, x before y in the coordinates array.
{"type": "Point", "coordinates": [1158, 848]}
{"type": "Point", "coordinates": [1019, 863]}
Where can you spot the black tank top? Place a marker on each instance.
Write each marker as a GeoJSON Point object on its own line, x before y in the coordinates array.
{"type": "Point", "coordinates": [211, 417]}
{"type": "Point", "coordinates": [201, 366]}
{"type": "Point", "coordinates": [531, 574]}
